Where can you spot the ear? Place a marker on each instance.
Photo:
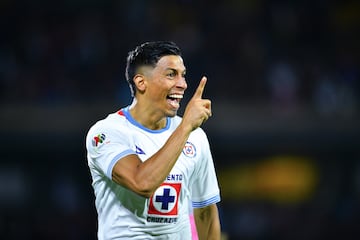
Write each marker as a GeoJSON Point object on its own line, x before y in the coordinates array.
{"type": "Point", "coordinates": [139, 81]}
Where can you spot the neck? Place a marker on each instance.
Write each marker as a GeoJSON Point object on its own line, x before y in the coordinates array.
{"type": "Point", "coordinates": [147, 116]}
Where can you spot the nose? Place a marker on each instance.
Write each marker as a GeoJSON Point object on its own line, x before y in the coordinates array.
{"type": "Point", "coordinates": [181, 83]}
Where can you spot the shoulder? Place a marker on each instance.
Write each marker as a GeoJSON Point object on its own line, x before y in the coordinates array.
{"type": "Point", "coordinates": [176, 120]}
{"type": "Point", "coordinates": [199, 133]}
{"type": "Point", "coordinates": [110, 123]}
{"type": "Point", "coordinates": [103, 122]}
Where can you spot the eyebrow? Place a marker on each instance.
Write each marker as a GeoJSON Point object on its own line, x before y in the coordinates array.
{"type": "Point", "coordinates": [175, 70]}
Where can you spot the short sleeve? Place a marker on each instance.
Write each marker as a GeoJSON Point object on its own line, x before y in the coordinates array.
{"type": "Point", "coordinates": [205, 190]}
{"type": "Point", "coordinates": [105, 146]}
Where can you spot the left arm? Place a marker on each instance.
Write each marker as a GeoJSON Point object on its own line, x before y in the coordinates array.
{"type": "Point", "coordinates": [207, 222]}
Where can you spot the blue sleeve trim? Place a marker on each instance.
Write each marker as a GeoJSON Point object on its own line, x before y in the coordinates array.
{"type": "Point", "coordinates": [207, 202]}
{"type": "Point", "coordinates": [115, 159]}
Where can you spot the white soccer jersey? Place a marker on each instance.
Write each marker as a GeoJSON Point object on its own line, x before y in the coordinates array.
{"type": "Point", "coordinates": [123, 214]}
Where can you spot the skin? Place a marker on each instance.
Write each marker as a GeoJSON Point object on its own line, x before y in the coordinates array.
{"type": "Point", "coordinates": [151, 108]}
{"type": "Point", "coordinates": [207, 223]}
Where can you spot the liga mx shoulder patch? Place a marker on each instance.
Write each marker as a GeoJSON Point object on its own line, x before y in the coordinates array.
{"type": "Point", "coordinates": [98, 140]}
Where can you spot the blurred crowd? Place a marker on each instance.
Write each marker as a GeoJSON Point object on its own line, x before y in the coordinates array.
{"type": "Point", "coordinates": [288, 53]}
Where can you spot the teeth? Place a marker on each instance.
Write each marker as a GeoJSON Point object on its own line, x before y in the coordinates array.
{"type": "Point", "coordinates": [176, 96]}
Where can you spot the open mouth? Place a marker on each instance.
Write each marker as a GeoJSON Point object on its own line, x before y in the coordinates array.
{"type": "Point", "coordinates": [174, 100]}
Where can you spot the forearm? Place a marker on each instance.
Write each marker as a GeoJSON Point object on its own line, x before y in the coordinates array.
{"type": "Point", "coordinates": [208, 223]}
{"type": "Point", "coordinates": [155, 169]}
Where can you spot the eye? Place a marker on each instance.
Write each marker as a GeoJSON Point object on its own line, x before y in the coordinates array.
{"type": "Point", "coordinates": [171, 74]}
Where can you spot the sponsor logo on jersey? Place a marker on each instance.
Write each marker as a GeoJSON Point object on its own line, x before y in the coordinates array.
{"type": "Point", "coordinates": [139, 150]}
{"type": "Point", "coordinates": [189, 150]}
{"type": "Point", "coordinates": [98, 139]}
{"type": "Point", "coordinates": [164, 201]}
{"type": "Point", "coordinates": [161, 219]}
{"type": "Point", "coordinates": [174, 177]}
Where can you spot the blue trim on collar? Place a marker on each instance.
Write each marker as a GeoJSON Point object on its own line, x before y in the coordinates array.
{"type": "Point", "coordinates": [137, 124]}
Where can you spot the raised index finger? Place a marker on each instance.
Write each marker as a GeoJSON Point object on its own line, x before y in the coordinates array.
{"type": "Point", "coordinates": [200, 89]}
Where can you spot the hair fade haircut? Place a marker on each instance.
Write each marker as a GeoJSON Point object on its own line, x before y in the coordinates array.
{"type": "Point", "coordinates": [147, 54]}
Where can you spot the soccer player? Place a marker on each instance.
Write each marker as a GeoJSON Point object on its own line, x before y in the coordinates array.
{"type": "Point", "coordinates": [147, 163]}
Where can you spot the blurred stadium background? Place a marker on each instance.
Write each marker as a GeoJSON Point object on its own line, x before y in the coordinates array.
{"type": "Point", "coordinates": [283, 78]}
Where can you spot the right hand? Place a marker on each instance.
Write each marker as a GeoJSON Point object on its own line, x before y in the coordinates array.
{"type": "Point", "coordinates": [198, 110]}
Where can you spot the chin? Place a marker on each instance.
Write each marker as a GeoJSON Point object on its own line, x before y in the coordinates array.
{"type": "Point", "coordinates": [172, 113]}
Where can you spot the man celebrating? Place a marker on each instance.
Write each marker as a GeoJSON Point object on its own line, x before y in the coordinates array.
{"type": "Point", "coordinates": [147, 163]}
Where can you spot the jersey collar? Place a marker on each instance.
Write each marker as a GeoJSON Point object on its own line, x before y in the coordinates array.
{"type": "Point", "coordinates": [125, 112]}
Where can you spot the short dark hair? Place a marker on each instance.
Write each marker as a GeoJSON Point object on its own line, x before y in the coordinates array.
{"type": "Point", "coordinates": [147, 54]}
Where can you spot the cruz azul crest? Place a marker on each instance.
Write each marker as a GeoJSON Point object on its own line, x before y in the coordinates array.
{"type": "Point", "coordinates": [189, 150]}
